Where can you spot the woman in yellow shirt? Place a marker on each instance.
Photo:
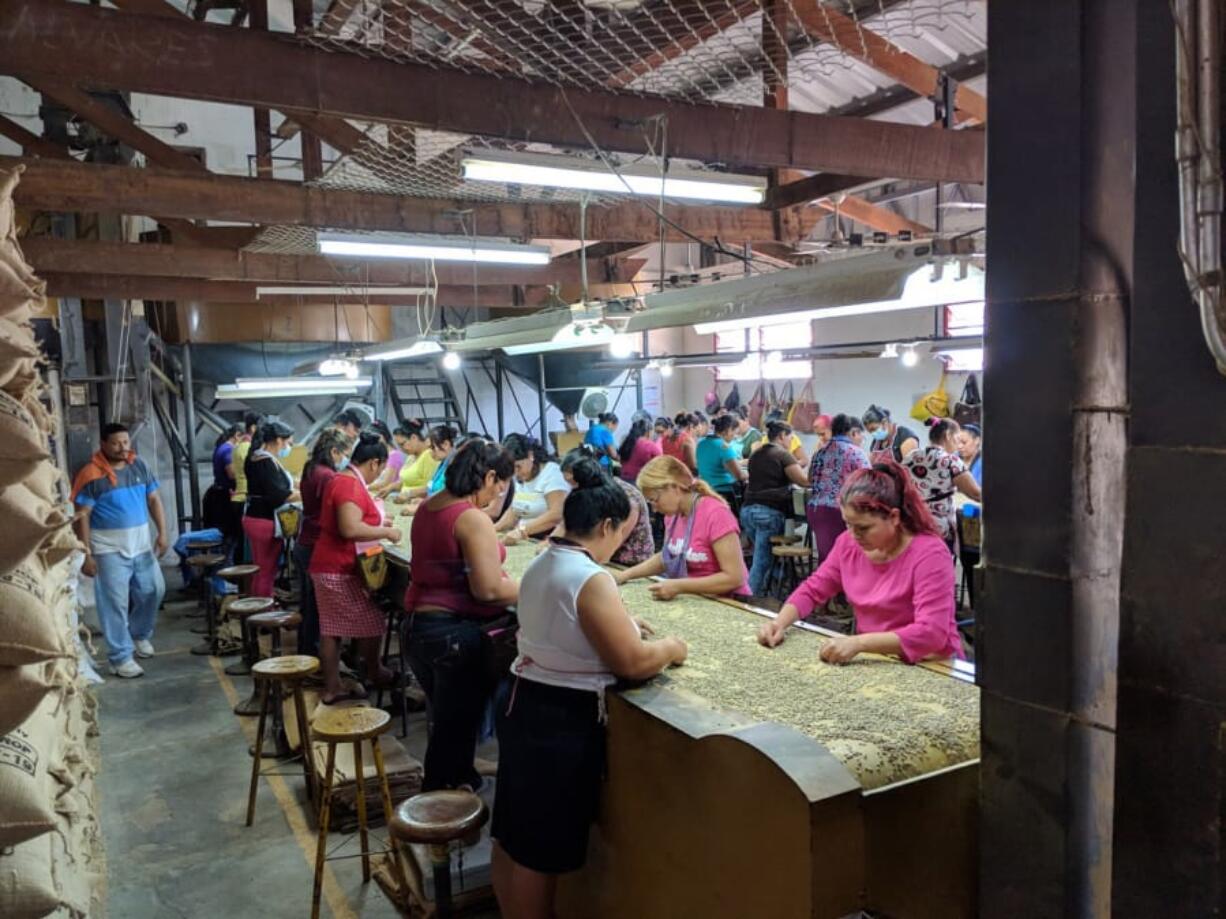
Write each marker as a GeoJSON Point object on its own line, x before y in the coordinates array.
{"type": "Point", "coordinates": [412, 439]}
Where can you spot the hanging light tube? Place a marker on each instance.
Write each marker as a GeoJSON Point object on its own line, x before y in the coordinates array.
{"type": "Point", "coordinates": [586, 175]}
{"type": "Point", "coordinates": [301, 385]}
{"type": "Point", "coordinates": [331, 290]}
{"type": "Point", "coordinates": [404, 348]}
{"type": "Point", "coordinates": [570, 336]}
{"type": "Point", "coordinates": [427, 247]}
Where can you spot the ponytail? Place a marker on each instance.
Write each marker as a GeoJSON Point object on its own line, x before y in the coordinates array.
{"type": "Point", "coordinates": [940, 428]}
{"type": "Point", "coordinates": [668, 470]}
{"type": "Point", "coordinates": [638, 430]}
{"type": "Point", "coordinates": [885, 487]}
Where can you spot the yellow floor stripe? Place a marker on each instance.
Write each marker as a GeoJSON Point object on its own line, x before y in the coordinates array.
{"type": "Point", "coordinates": [306, 837]}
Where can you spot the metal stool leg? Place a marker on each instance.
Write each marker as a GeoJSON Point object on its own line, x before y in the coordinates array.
{"type": "Point", "coordinates": [325, 812]}
{"type": "Point", "coordinates": [440, 862]}
{"type": "Point", "coordinates": [359, 779]}
{"type": "Point", "coordinates": [259, 750]}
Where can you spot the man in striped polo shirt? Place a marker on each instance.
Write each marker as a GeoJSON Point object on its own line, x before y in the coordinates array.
{"type": "Point", "coordinates": [116, 498]}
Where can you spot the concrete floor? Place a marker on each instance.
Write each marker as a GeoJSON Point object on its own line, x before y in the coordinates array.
{"type": "Point", "coordinates": [172, 793]}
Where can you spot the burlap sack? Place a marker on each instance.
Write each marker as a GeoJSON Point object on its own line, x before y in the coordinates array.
{"type": "Point", "coordinates": [17, 343]}
{"type": "Point", "coordinates": [17, 285]}
{"type": "Point", "coordinates": [30, 631]}
{"type": "Point", "coordinates": [76, 869]}
{"type": "Point", "coordinates": [22, 444]}
{"type": "Point", "coordinates": [27, 790]}
{"type": "Point", "coordinates": [21, 689]}
{"type": "Point", "coordinates": [29, 524]}
{"type": "Point", "coordinates": [61, 545]}
{"type": "Point", "coordinates": [47, 482]}
{"type": "Point", "coordinates": [27, 888]}
{"type": "Point", "coordinates": [8, 212]}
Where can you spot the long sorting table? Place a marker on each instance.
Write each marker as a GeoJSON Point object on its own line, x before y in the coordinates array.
{"type": "Point", "coordinates": [765, 783]}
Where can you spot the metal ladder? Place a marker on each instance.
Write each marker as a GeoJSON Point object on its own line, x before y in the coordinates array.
{"type": "Point", "coordinates": [422, 390]}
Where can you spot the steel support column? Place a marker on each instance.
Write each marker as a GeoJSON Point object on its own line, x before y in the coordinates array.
{"type": "Point", "coordinates": [189, 425]}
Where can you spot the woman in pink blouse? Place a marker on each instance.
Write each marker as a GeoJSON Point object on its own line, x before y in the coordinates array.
{"type": "Point", "coordinates": [894, 569]}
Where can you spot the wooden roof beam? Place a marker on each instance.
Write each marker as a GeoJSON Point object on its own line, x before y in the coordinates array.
{"type": "Point", "coordinates": [824, 22]}
{"type": "Point", "coordinates": [874, 216]}
{"type": "Point", "coordinates": [72, 186]}
{"type": "Point", "coordinates": [175, 57]}
{"type": "Point", "coordinates": [160, 260]}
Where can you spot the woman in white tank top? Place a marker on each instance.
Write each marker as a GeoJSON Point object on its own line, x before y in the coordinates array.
{"type": "Point", "coordinates": [575, 639]}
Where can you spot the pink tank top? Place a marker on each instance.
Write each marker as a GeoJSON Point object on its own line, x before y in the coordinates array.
{"type": "Point", "coordinates": [438, 573]}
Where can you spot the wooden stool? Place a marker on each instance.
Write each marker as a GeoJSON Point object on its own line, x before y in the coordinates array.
{"type": "Point", "coordinates": [274, 676]}
{"type": "Point", "coordinates": [206, 565]}
{"type": "Point", "coordinates": [240, 576]}
{"type": "Point", "coordinates": [349, 725]}
{"type": "Point", "coordinates": [794, 564]}
{"type": "Point", "coordinates": [437, 819]}
{"type": "Point", "coordinates": [783, 539]}
{"type": "Point", "coordinates": [244, 608]}
{"type": "Point", "coordinates": [272, 621]}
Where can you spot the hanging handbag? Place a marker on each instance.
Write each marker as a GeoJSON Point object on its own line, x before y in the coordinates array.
{"type": "Point", "coordinates": [934, 404]}
{"type": "Point", "coordinates": [757, 407]}
{"type": "Point", "coordinates": [969, 408]}
{"type": "Point", "coordinates": [804, 410]}
{"type": "Point", "coordinates": [733, 400]}
{"type": "Point", "coordinates": [372, 566]}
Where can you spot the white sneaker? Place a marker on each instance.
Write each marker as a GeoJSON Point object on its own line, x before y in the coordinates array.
{"type": "Point", "coordinates": [129, 669]}
{"type": "Point", "coordinates": [144, 649]}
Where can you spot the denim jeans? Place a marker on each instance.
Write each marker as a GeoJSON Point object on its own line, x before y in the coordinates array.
{"type": "Point", "coordinates": [128, 592]}
{"type": "Point", "coordinates": [759, 523]}
{"type": "Point", "coordinates": [446, 655]}
{"type": "Point", "coordinates": [308, 629]}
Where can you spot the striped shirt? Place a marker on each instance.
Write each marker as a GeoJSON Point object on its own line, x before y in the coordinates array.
{"type": "Point", "coordinates": [119, 513]}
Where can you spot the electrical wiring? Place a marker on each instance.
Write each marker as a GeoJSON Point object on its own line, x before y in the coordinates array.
{"type": "Point", "coordinates": [658, 210]}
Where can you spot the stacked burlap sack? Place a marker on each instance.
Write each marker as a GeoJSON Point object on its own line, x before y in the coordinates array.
{"type": "Point", "coordinates": [50, 852]}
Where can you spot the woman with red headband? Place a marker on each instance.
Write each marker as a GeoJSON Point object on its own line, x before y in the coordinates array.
{"type": "Point", "coordinates": [894, 568]}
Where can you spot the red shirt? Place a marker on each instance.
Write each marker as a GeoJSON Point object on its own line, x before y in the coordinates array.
{"type": "Point", "coordinates": [333, 553]}
{"type": "Point", "coordinates": [674, 446]}
{"type": "Point", "coordinates": [313, 487]}
{"type": "Point", "coordinates": [438, 569]}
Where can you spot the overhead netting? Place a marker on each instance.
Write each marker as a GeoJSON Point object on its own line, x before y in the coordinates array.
{"type": "Point", "coordinates": [689, 50]}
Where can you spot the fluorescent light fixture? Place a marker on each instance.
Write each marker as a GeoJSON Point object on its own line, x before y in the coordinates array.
{"type": "Point", "coordinates": [300, 385]}
{"type": "Point", "coordinates": [330, 290]}
{"type": "Point", "coordinates": [427, 247]}
{"type": "Point", "coordinates": [402, 348]}
{"type": "Point", "coordinates": [287, 391]}
{"type": "Point", "coordinates": [583, 334]}
{"type": "Point", "coordinates": [338, 367]}
{"type": "Point", "coordinates": [589, 175]}
{"type": "Point", "coordinates": [451, 361]}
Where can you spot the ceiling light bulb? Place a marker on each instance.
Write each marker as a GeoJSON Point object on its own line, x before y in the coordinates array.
{"type": "Point", "coordinates": [666, 370]}
{"type": "Point", "coordinates": [451, 361]}
{"type": "Point", "coordinates": [890, 350]}
{"type": "Point", "coordinates": [909, 357]}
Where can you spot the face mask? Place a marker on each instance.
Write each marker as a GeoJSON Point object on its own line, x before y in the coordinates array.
{"type": "Point", "coordinates": [284, 452]}
{"type": "Point", "coordinates": [880, 434]}
{"type": "Point", "coordinates": [342, 464]}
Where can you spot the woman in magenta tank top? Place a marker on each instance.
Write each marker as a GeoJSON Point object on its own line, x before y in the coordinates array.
{"type": "Point", "coordinates": [456, 585]}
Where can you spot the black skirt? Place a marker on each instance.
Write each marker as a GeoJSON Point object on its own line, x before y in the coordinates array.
{"type": "Point", "coordinates": [551, 760]}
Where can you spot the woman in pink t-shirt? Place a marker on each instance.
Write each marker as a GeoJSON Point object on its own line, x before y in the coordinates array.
{"type": "Point", "coordinates": [702, 539]}
{"type": "Point", "coordinates": [894, 569]}
{"type": "Point", "coordinates": [637, 450]}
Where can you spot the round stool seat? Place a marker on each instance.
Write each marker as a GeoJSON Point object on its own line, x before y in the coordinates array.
{"type": "Point", "coordinates": [291, 667]}
{"type": "Point", "coordinates": [790, 551]}
{"type": "Point", "coordinates": [349, 724]}
{"type": "Point", "coordinates": [784, 540]}
{"type": "Point", "coordinates": [205, 560]}
{"type": "Point", "coordinates": [206, 544]}
{"type": "Point", "coordinates": [274, 619]}
{"type": "Point", "coordinates": [436, 817]}
{"type": "Point", "coordinates": [249, 606]}
{"type": "Point", "coordinates": [235, 573]}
